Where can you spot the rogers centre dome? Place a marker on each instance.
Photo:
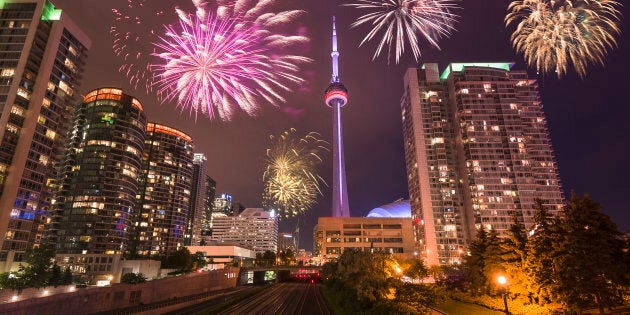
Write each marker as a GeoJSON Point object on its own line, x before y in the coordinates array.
{"type": "Point", "coordinates": [398, 209]}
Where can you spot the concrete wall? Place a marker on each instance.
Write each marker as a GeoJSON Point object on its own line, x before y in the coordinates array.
{"type": "Point", "coordinates": [149, 268]}
{"type": "Point", "coordinates": [92, 300]}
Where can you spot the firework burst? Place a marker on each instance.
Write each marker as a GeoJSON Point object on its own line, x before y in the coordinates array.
{"type": "Point", "coordinates": [290, 183]}
{"type": "Point", "coordinates": [552, 35]}
{"type": "Point", "coordinates": [134, 30]}
{"type": "Point", "coordinates": [232, 56]}
{"type": "Point", "coordinates": [399, 23]}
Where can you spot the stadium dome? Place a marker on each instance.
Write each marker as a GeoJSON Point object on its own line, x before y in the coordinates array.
{"type": "Point", "coordinates": [397, 209]}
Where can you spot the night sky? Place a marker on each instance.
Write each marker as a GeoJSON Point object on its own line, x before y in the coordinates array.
{"type": "Point", "coordinates": [588, 118]}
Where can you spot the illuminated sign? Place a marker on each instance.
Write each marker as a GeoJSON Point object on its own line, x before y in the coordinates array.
{"type": "Point", "coordinates": [457, 67]}
{"type": "Point", "coordinates": [50, 13]}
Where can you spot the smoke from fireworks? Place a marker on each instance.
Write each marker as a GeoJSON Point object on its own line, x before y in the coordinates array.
{"type": "Point", "coordinates": [291, 185]}
{"type": "Point", "coordinates": [403, 22]}
{"type": "Point", "coordinates": [235, 56]}
{"type": "Point", "coordinates": [552, 35]}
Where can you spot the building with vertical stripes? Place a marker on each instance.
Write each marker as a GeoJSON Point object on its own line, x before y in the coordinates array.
{"type": "Point", "coordinates": [42, 59]}
{"type": "Point", "coordinates": [477, 151]}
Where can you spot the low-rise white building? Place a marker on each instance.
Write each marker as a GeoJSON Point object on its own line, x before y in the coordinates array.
{"type": "Point", "coordinates": [225, 254]}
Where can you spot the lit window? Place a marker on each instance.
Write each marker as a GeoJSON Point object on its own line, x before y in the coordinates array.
{"type": "Point", "coordinates": [72, 50]}
{"type": "Point", "coordinates": [12, 128]}
{"type": "Point", "coordinates": [51, 134]}
{"type": "Point", "coordinates": [17, 111]}
{"type": "Point", "coordinates": [43, 159]}
{"type": "Point", "coordinates": [66, 88]}
{"type": "Point", "coordinates": [7, 72]}
{"type": "Point", "coordinates": [70, 65]}
{"type": "Point", "coordinates": [24, 93]}
{"type": "Point", "coordinates": [437, 140]}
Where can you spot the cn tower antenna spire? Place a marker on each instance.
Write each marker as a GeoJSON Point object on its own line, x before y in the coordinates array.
{"type": "Point", "coordinates": [337, 97]}
{"type": "Point", "coordinates": [335, 55]}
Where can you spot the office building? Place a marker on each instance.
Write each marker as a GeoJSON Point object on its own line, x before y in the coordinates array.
{"type": "Point", "coordinates": [164, 200]}
{"type": "Point", "coordinates": [331, 236]}
{"type": "Point", "coordinates": [286, 241]}
{"type": "Point", "coordinates": [93, 211]}
{"type": "Point", "coordinates": [42, 59]}
{"type": "Point", "coordinates": [254, 228]}
{"type": "Point", "coordinates": [477, 151]}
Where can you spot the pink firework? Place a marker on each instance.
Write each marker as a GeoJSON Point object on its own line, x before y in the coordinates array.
{"type": "Point", "coordinates": [134, 30]}
{"type": "Point", "coordinates": [214, 63]}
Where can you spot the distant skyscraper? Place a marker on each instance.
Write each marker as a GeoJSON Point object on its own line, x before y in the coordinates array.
{"type": "Point", "coordinates": [164, 195]}
{"type": "Point", "coordinates": [477, 151]}
{"type": "Point", "coordinates": [94, 207]}
{"type": "Point", "coordinates": [337, 97]}
{"type": "Point", "coordinates": [222, 205]}
{"type": "Point", "coordinates": [237, 208]}
{"type": "Point", "coordinates": [197, 205]}
{"type": "Point", "coordinates": [42, 60]}
{"type": "Point", "coordinates": [211, 188]}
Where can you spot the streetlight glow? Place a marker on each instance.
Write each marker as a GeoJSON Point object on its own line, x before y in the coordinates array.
{"type": "Point", "coordinates": [501, 280]}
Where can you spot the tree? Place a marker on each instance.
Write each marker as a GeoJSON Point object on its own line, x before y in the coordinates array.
{"type": "Point", "coordinates": [416, 269]}
{"type": "Point", "coordinates": [420, 296]}
{"type": "Point", "coordinates": [492, 262]}
{"type": "Point", "coordinates": [199, 260]}
{"type": "Point", "coordinates": [12, 281]}
{"type": "Point", "coordinates": [475, 262]}
{"type": "Point", "coordinates": [588, 256]}
{"type": "Point", "coordinates": [514, 256]}
{"type": "Point", "coordinates": [269, 257]}
{"type": "Point", "coordinates": [364, 274]}
{"type": "Point", "coordinates": [38, 270]}
{"type": "Point", "coordinates": [55, 276]}
{"type": "Point", "coordinates": [180, 260]}
{"type": "Point", "coordinates": [67, 276]}
{"type": "Point", "coordinates": [539, 260]}
{"type": "Point", "coordinates": [133, 278]}
{"type": "Point", "coordinates": [289, 257]}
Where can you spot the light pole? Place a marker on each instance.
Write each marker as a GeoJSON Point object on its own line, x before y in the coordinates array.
{"type": "Point", "coordinates": [503, 282]}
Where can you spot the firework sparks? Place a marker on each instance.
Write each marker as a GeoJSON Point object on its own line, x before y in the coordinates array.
{"type": "Point", "coordinates": [234, 56]}
{"type": "Point", "coordinates": [552, 35]}
{"type": "Point", "coordinates": [290, 183]}
{"type": "Point", "coordinates": [403, 22]}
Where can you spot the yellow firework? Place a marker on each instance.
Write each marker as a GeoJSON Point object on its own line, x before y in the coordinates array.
{"type": "Point", "coordinates": [552, 35]}
{"type": "Point", "coordinates": [291, 186]}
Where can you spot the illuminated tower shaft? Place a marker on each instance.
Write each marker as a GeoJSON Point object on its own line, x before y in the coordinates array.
{"type": "Point", "coordinates": [337, 97]}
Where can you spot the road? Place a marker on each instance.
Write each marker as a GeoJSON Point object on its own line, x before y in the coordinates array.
{"type": "Point", "coordinates": [284, 298]}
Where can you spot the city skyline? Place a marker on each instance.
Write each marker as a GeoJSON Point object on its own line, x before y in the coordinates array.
{"type": "Point", "coordinates": [589, 158]}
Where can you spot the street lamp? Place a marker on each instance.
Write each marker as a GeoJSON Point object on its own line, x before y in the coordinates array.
{"type": "Point", "coordinates": [503, 282]}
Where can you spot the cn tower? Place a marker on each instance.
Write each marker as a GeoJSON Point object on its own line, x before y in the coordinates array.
{"type": "Point", "coordinates": [337, 97]}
